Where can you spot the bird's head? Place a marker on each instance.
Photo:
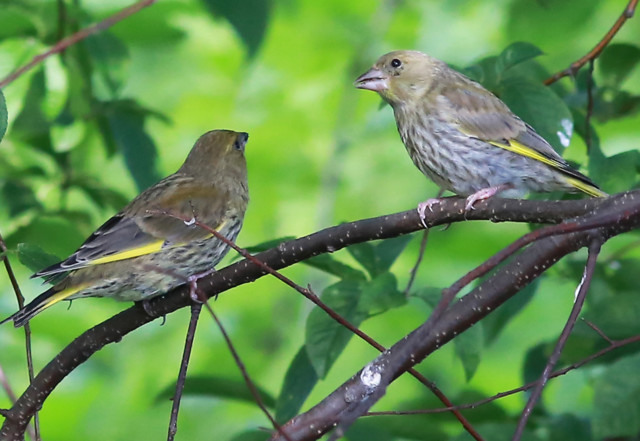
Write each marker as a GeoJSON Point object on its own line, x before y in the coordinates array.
{"type": "Point", "coordinates": [401, 77]}
{"type": "Point", "coordinates": [217, 150]}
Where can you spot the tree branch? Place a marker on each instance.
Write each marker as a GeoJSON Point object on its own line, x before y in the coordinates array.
{"type": "Point", "coordinates": [354, 397]}
{"type": "Point", "coordinates": [78, 36]}
{"type": "Point", "coordinates": [474, 307]}
{"type": "Point", "coordinates": [597, 50]}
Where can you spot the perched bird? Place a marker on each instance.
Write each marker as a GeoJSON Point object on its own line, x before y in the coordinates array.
{"type": "Point", "coordinates": [154, 244]}
{"type": "Point", "coordinates": [462, 136]}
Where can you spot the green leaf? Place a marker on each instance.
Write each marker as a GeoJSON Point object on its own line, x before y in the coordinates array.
{"type": "Point", "coordinates": [380, 295]}
{"type": "Point", "coordinates": [16, 21]}
{"type": "Point", "coordinates": [539, 106]}
{"type": "Point", "coordinates": [369, 429]}
{"type": "Point", "coordinates": [617, 62]}
{"type": "Point", "coordinates": [56, 86]}
{"type": "Point", "coordinates": [217, 387]}
{"type": "Point", "coordinates": [617, 316]}
{"type": "Point", "coordinates": [264, 246]}
{"type": "Point", "coordinates": [614, 173]}
{"type": "Point", "coordinates": [498, 432]}
{"type": "Point", "coordinates": [485, 72]}
{"type": "Point", "coordinates": [388, 250]}
{"type": "Point", "coordinates": [3, 116]}
{"type": "Point", "coordinates": [101, 196]}
{"type": "Point", "coordinates": [365, 254]}
{"type": "Point", "coordinates": [516, 53]}
{"type": "Point", "coordinates": [468, 347]}
{"type": "Point", "coordinates": [110, 57]}
{"type": "Point", "coordinates": [328, 264]}
{"type": "Point", "coordinates": [378, 258]}
{"type": "Point", "coordinates": [430, 295]}
{"type": "Point", "coordinates": [298, 384]}
{"type": "Point", "coordinates": [616, 404]}
{"type": "Point", "coordinates": [34, 257]}
{"type": "Point", "coordinates": [18, 198]}
{"type": "Point", "coordinates": [31, 124]}
{"type": "Point", "coordinates": [126, 120]}
{"type": "Point", "coordinates": [251, 435]}
{"type": "Point", "coordinates": [325, 339]}
{"type": "Point", "coordinates": [355, 301]}
{"type": "Point", "coordinates": [569, 428]}
{"type": "Point", "coordinates": [57, 234]}
{"type": "Point", "coordinates": [535, 361]}
{"type": "Point", "coordinates": [548, 22]}
{"type": "Point", "coordinates": [495, 322]}
{"type": "Point", "coordinates": [248, 17]}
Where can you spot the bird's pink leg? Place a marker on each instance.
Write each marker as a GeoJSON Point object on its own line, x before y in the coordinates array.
{"type": "Point", "coordinates": [485, 193]}
{"type": "Point", "coordinates": [193, 284]}
{"type": "Point", "coordinates": [422, 209]}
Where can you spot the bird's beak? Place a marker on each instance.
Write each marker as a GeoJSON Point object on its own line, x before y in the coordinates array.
{"type": "Point", "coordinates": [373, 79]}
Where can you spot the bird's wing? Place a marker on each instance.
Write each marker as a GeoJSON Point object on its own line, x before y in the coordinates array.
{"type": "Point", "coordinates": [147, 225]}
{"type": "Point", "coordinates": [478, 113]}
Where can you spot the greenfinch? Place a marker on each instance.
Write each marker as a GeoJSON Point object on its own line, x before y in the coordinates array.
{"type": "Point", "coordinates": [154, 244]}
{"type": "Point", "coordinates": [463, 137]}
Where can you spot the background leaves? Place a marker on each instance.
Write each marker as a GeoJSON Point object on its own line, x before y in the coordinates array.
{"type": "Point", "coordinates": [89, 128]}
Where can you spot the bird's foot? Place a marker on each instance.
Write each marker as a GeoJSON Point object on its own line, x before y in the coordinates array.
{"type": "Point", "coordinates": [193, 285]}
{"type": "Point", "coordinates": [485, 193]}
{"type": "Point", "coordinates": [422, 209]}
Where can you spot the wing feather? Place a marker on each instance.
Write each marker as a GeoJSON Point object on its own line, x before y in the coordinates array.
{"type": "Point", "coordinates": [146, 226]}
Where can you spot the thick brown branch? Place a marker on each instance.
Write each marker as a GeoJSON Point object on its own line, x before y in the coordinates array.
{"type": "Point", "coordinates": [354, 397]}
{"type": "Point", "coordinates": [329, 240]}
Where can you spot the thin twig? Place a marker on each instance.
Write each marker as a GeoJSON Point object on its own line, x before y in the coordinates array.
{"type": "Point", "coordinates": [614, 345]}
{"type": "Point", "coordinates": [587, 118]}
{"type": "Point", "coordinates": [243, 370]}
{"type": "Point", "coordinates": [182, 375]}
{"type": "Point", "coordinates": [505, 253]}
{"type": "Point", "coordinates": [622, 210]}
{"type": "Point", "coordinates": [310, 295]}
{"type": "Point", "coordinates": [27, 330]}
{"type": "Point", "coordinates": [595, 52]}
{"type": "Point", "coordinates": [581, 294]}
{"type": "Point", "coordinates": [423, 247]}
{"type": "Point", "coordinates": [78, 36]}
{"type": "Point", "coordinates": [414, 270]}
{"type": "Point", "coordinates": [6, 386]}
{"type": "Point", "coordinates": [598, 331]}
{"type": "Point", "coordinates": [620, 252]}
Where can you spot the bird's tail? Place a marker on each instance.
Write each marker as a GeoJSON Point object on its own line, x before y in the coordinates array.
{"type": "Point", "coordinates": [43, 301]}
{"type": "Point", "coordinates": [587, 187]}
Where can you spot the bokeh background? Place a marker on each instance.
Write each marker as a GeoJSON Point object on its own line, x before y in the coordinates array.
{"type": "Point", "coordinates": [89, 128]}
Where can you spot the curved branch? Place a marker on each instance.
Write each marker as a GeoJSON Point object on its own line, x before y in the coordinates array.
{"type": "Point", "coordinates": [354, 397]}
{"type": "Point", "coordinates": [286, 254]}
{"type": "Point", "coordinates": [597, 50]}
{"type": "Point", "coordinates": [78, 36]}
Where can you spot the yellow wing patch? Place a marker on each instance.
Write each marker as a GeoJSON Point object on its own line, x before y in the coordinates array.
{"type": "Point", "coordinates": [521, 149]}
{"type": "Point", "coordinates": [151, 248]}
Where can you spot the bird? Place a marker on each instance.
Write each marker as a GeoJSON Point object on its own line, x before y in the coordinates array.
{"type": "Point", "coordinates": [463, 137]}
{"type": "Point", "coordinates": [154, 243]}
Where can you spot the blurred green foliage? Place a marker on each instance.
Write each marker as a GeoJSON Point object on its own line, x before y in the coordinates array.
{"type": "Point", "coordinates": [87, 129]}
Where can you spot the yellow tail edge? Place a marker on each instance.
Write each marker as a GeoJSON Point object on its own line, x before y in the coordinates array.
{"type": "Point", "coordinates": [42, 302]}
{"type": "Point", "coordinates": [586, 188]}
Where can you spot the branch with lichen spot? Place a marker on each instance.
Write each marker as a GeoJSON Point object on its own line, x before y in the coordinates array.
{"type": "Point", "coordinates": [622, 210]}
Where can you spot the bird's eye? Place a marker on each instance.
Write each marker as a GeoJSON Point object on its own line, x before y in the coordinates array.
{"type": "Point", "coordinates": [396, 63]}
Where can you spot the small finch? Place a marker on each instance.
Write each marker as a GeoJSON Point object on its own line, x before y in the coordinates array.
{"type": "Point", "coordinates": [147, 249]}
{"type": "Point", "coordinates": [463, 137]}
